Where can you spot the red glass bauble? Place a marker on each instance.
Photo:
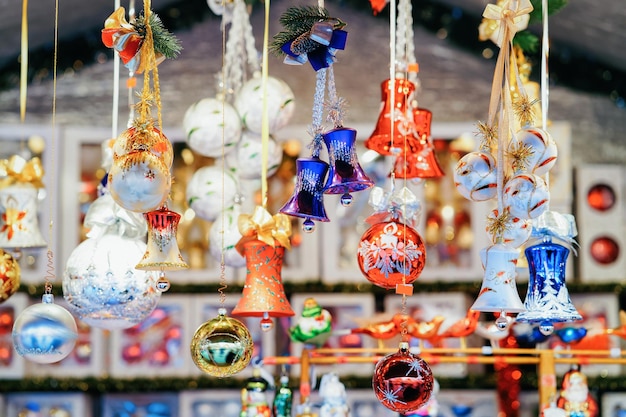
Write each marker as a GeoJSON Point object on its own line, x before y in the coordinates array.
{"type": "Point", "coordinates": [391, 253]}
{"type": "Point", "coordinates": [403, 381]}
{"type": "Point", "coordinates": [604, 250]}
{"type": "Point", "coordinates": [601, 197]}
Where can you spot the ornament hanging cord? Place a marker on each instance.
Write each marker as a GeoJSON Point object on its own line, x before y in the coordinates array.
{"type": "Point", "coordinates": [50, 273]}
{"type": "Point", "coordinates": [545, 77]}
{"type": "Point", "coordinates": [148, 95]}
{"type": "Point", "coordinates": [265, 135]}
{"type": "Point", "coordinates": [222, 280]}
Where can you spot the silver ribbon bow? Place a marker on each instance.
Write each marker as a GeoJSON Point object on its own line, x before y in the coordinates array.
{"type": "Point", "coordinates": [399, 204]}
{"type": "Point", "coordinates": [106, 216]}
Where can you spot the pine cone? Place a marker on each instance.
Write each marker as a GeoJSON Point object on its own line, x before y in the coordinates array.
{"type": "Point", "coordinates": [303, 44]}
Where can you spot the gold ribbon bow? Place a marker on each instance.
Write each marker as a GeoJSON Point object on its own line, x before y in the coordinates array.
{"type": "Point", "coordinates": [17, 170]}
{"type": "Point", "coordinates": [507, 16]}
{"type": "Point", "coordinates": [261, 225]}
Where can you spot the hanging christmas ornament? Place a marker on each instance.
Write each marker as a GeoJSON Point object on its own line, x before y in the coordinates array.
{"type": "Point", "coordinates": [345, 175]}
{"type": "Point", "coordinates": [212, 126]}
{"type": "Point", "coordinates": [100, 283]}
{"type": "Point", "coordinates": [498, 293]}
{"type": "Point", "coordinates": [307, 199]}
{"type": "Point", "coordinates": [526, 196]}
{"type": "Point", "coordinates": [280, 104]}
{"type": "Point", "coordinates": [20, 181]}
{"type": "Point", "coordinates": [222, 346]}
{"type": "Point", "coordinates": [44, 332]}
{"type": "Point", "coordinates": [224, 235]}
{"type": "Point", "coordinates": [391, 252]}
{"type": "Point", "coordinates": [9, 275]}
{"type": "Point", "coordinates": [390, 134]}
{"type": "Point", "coordinates": [139, 179]}
{"type": "Point", "coordinates": [548, 301]}
{"type": "Point", "coordinates": [210, 190]}
{"type": "Point", "coordinates": [162, 252]}
{"type": "Point", "coordinates": [313, 326]}
{"type": "Point", "coordinates": [283, 400]}
{"type": "Point", "coordinates": [263, 243]}
{"type": "Point", "coordinates": [536, 150]}
{"type": "Point", "coordinates": [403, 381]}
{"type": "Point", "coordinates": [245, 161]}
{"type": "Point", "coordinates": [475, 176]}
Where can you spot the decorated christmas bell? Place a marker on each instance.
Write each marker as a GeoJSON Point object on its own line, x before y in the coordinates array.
{"type": "Point", "coordinates": [162, 253]}
{"type": "Point", "coordinates": [345, 174]}
{"type": "Point", "coordinates": [263, 243]}
{"type": "Point", "coordinates": [418, 159]}
{"type": "Point", "coordinates": [307, 200]}
{"type": "Point", "coordinates": [388, 133]}
{"type": "Point", "coordinates": [20, 181]}
{"type": "Point", "coordinates": [263, 293]}
{"type": "Point", "coordinates": [548, 301]}
{"type": "Point", "coordinates": [498, 293]}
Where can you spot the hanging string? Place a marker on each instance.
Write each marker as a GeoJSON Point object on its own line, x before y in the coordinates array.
{"type": "Point", "coordinates": [131, 82]}
{"type": "Point", "coordinates": [545, 77]}
{"type": "Point", "coordinates": [116, 86]}
{"type": "Point", "coordinates": [392, 77]}
{"type": "Point", "coordinates": [222, 281]}
{"type": "Point", "coordinates": [50, 272]}
{"type": "Point", "coordinates": [265, 131]}
{"type": "Point", "coordinates": [24, 61]}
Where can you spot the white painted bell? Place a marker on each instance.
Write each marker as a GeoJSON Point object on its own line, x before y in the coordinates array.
{"type": "Point", "coordinates": [19, 226]}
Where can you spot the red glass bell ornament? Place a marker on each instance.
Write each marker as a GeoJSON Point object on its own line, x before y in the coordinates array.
{"type": "Point", "coordinates": [403, 381]}
{"type": "Point", "coordinates": [381, 139]}
{"type": "Point", "coordinates": [307, 200]}
{"type": "Point", "coordinates": [263, 293]}
{"type": "Point", "coordinates": [418, 160]}
{"type": "Point", "coordinates": [345, 174]}
{"type": "Point", "coordinates": [162, 253]}
{"type": "Point", "coordinates": [391, 253]}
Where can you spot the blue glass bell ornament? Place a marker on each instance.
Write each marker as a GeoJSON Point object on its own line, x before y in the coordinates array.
{"type": "Point", "coordinates": [547, 300]}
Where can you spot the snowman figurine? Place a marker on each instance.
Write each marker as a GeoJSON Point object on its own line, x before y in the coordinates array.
{"type": "Point", "coordinates": [333, 394]}
{"type": "Point", "coordinates": [313, 326]}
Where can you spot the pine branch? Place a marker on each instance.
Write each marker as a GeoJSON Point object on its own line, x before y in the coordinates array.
{"type": "Point", "coordinates": [554, 6]}
{"type": "Point", "coordinates": [165, 43]}
{"type": "Point", "coordinates": [526, 41]}
{"type": "Point", "coordinates": [301, 19]}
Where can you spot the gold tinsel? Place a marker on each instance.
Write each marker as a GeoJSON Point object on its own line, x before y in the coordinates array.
{"type": "Point", "coordinates": [523, 108]}
{"type": "Point", "coordinates": [519, 154]}
{"type": "Point", "coordinates": [489, 135]}
{"type": "Point", "coordinates": [496, 226]}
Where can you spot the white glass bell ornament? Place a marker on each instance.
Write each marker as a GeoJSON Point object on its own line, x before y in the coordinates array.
{"type": "Point", "coordinates": [280, 104]}
{"type": "Point", "coordinates": [212, 127]}
{"type": "Point", "coordinates": [210, 190]}
{"type": "Point", "coordinates": [19, 227]}
{"type": "Point", "coordinates": [44, 332]}
{"type": "Point", "coordinates": [139, 181]}
{"type": "Point", "coordinates": [246, 161]}
{"type": "Point", "coordinates": [102, 286]}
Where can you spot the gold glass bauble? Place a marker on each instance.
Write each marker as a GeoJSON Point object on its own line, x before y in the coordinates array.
{"type": "Point", "coordinates": [222, 346]}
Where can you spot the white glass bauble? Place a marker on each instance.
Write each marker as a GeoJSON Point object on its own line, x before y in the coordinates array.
{"type": "Point", "coordinates": [212, 127]}
{"type": "Point", "coordinates": [102, 286]}
{"type": "Point", "coordinates": [517, 230]}
{"type": "Point", "coordinates": [246, 160]}
{"type": "Point", "coordinates": [139, 182]}
{"type": "Point", "coordinates": [280, 104]}
{"type": "Point", "coordinates": [44, 332]}
{"type": "Point", "coordinates": [544, 151]}
{"type": "Point", "coordinates": [223, 237]}
{"type": "Point", "coordinates": [210, 190]}
{"type": "Point", "coordinates": [526, 196]}
{"type": "Point", "coordinates": [475, 176]}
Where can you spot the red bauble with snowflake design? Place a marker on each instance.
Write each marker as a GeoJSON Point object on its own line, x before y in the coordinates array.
{"type": "Point", "coordinates": [391, 253]}
{"type": "Point", "coordinates": [403, 381]}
